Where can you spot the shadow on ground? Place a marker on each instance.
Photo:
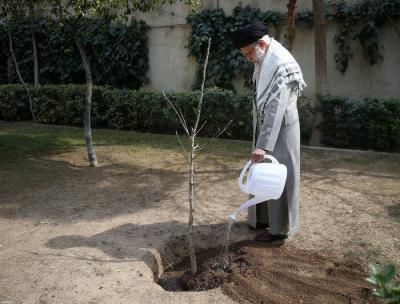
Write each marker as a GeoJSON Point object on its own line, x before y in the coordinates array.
{"type": "Point", "coordinates": [394, 211]}
{"type": "Point", "coordinates": [159, 245]}
{"type": "Point", "coordinates": [57, 190]}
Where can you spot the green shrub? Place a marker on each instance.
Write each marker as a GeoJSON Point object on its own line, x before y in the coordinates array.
{"type": "Point", "coordinates": [128, 109]}
{"type": "Point", "coordinates": [14, 104]}
{"type": "Point", "coordinates": [387, 286]}
{"type": "Point", "coordinates": [306, 115]}
{"type": "Point", "coordinates": [117, 53]}
{"type": "Point", "coordinates": [366, 123]}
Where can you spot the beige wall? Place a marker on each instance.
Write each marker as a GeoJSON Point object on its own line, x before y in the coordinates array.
{"type": "Point", "coordinates": [362, 79]}
{"type": "Point", "coordinates": [172, 69]}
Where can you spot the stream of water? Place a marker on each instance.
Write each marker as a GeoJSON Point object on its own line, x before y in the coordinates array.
{"type": "Point", "coordinates": [228, 234]}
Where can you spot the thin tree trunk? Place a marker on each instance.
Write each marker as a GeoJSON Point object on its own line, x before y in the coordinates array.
{"type": "Point", "coordinates": [88, 102]}
{"type": "Point", "coordinates": [320, 68]}
{"type": "Point", "coordinates": [34, 47]}
{"type": "Point", "coordinates": [19, 75]}
{"type": "Point", "coordinates": [290, 25]}
{"type": "Point", "coordinates": [192, 253]}
{"type": "Point", "coordinates": [9, 68]}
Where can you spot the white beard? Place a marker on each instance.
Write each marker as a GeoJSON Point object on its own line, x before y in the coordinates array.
{"type": "Point", "coordinates": [259, 54]}
{"type": "Point", "coordinates": [257, 69]}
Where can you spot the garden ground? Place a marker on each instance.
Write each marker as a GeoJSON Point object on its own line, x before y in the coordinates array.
{"type": "Point", "coordinates": [74, 234]}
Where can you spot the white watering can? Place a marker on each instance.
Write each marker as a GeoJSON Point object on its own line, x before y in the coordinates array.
{"type": "Point", "coordinates": [265, 181]}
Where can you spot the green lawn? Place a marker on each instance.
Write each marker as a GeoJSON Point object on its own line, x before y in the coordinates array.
{"type": "Point", "coordinates": [20, 140]}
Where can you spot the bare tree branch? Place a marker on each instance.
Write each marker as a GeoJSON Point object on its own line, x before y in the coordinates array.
{"type": "Point", "coordinates": [201, 148]}
{"type": "Point", "coordinates": [183, 149]}
{"type": "Point", "coordinates": [183, 118]}
{"type": "Point", "coordinates": [178, 113]}
{"type": "Point", "coordinates": [202, 87]}
{"type": "Point", "coordinates": [198, 131]}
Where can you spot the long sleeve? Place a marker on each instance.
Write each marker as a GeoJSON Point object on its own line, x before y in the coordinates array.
{"type": "Point", "coordinates": [272, 116]}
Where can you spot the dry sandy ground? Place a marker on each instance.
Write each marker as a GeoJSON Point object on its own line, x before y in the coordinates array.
{"type": "Point", "coordinates": [73, 234]}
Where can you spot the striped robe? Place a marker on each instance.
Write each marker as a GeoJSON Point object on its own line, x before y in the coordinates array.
{"type": "Point", "coordinates": [276, 129]}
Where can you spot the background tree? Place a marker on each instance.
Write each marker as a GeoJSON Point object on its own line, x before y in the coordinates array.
{"type": "Point", "coordinates": [70, 13]}
{"type": "Point", "coordinates": [290, 25]}
{"type": "Point", "coordinates": [33, 9]}
{"type": "Point", "coordinates": [319, 9]}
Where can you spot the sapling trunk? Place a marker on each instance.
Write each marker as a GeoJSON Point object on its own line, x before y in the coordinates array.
{"type": "Point", "coordinates": [192, 252]}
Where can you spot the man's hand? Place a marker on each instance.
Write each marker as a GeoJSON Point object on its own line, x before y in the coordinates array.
{"type": "Point", "coordinates": [258, 155]}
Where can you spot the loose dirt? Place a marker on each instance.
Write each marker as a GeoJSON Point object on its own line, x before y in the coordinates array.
{"type": "Point", "coordinates": [275, 274]}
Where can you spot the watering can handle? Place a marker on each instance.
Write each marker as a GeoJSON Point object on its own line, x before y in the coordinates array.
{"type": "Point", "coordinates": [240, 182]}
{"type": "Point", "coordinates": [273, 159]}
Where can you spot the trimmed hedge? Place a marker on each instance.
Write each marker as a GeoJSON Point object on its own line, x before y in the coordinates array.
{"type": "Point", "coordinates": [128, 109]}
{"type": "Point", "coordinates": [365, 123]}
{"type": "Point", "coordinates": [136, 110]}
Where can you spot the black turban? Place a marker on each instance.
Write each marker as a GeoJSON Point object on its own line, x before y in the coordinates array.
{"type": "Point", "coordinates": [248, 34]}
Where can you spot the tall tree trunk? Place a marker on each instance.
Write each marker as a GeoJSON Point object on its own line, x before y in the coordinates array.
{"type": "Point", "coordinates": [19, 75]}
{"type": "Point", "coordinates": [192, 253]}
{"type": "Point", "coordinates": [290, 24]}
{"type": "Point", "coordinates": [34, 47]}
{"type": "Point", "coordinates": [320, 68]}
{"type": "Point", "coordinates": [88, 101]}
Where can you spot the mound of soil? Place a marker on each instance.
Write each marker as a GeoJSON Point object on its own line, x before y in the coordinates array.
{"type": "Point", "coordinates": [258, 273]}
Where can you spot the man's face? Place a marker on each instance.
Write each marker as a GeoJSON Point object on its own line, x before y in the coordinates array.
{"type": "Point", "coordinates": [255, 52]}
{"type": "Point", "coordinates": [249, 52]}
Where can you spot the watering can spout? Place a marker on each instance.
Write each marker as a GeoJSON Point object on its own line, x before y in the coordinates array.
{"type": "Point", "coordinates": [250, 202]}
{"type": "Point", "coordinates": [232, 218]}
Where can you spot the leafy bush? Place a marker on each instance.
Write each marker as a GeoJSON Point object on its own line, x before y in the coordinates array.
{"type": "Point", "coordinates": [306, 115]}
{"type": "Point", "coordinates": [128, 109]}
{"type": "Point", "coordinates": [363, 21]}
{"type": "Point", "coordinates": [117, 53]}
{"type": "Point", "coordinates": [133, 110]}
{"type": "Point", "coordinates": [386, 286]}
{"type": "Point", "coordinates": [366, 123]}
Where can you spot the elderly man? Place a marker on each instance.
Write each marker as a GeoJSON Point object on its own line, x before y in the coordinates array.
{"type": "Point", "coordinates": [278, 81]}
